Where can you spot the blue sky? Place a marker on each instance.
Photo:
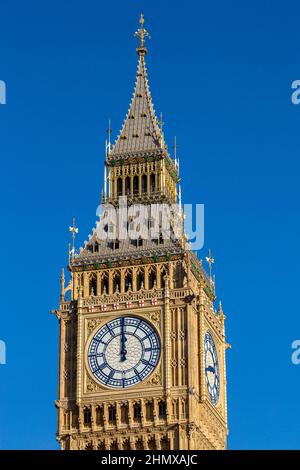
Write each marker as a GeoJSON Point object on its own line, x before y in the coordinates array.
{"type": "Point", "coordinates": [221, 73]}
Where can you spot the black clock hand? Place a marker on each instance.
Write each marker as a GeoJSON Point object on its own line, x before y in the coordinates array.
{"type": "Point", "coordinates": [123, 341]}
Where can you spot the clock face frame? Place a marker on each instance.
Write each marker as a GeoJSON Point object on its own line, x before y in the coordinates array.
{"type": "Point", "coordinates": [211, 368]}
{"type": "Point", "coordinates": [123, 352]}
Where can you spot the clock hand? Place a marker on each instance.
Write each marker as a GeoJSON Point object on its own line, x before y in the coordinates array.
{"type": "Point", "coordinates": [210, 369]}
{"type": "Point", "coordinates": [123, 341]}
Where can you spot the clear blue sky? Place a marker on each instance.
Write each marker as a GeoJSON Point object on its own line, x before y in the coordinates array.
{"type": "Point", "coordinates": [221, 73]}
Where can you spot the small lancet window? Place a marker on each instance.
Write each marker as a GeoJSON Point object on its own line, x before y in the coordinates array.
{"type": "Point", "coordinates": [162, 409]}
{"type": "Point", "coordinates": [137, 411]}
{"type": "Point", "coordinates": [87, 417]}
{"type": "Point", "coordinates": [112, 414]}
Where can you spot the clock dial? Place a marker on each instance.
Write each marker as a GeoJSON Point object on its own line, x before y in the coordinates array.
{"type": "Point", "coordinates": [212, 368]}
{"type": "Point", "coordinates": [124, 352]}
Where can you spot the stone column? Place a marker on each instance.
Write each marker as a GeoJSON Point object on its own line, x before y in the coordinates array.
{"type": "Point", "coordinates": [110, 282]}
{"type": "Point", "coordinates": [131, 185]}
{"type": "Point", "coordinates": [134, 279]}
{"type": "Point", "coordinates": [143, 412]}
{"type": "Point", "coordinates": [146, 277]}
{"type": "Point", "coordinates": [130, 413]}
{"type": "Point", "coordinates": [105, 416]}
{"type": "Point", "coordinates": [85, 285]}
{"type": "Point", "coordinates": [158, 285]}
{"type": "Point", "coordinates": [93, 417]}
{"type": "Point", "coordinates": [145, 442]}
{"type": "Point", "coordinates": [171, 440]}
{"type": "Point", "coordinates": [140, 182]}
{"type": "Point", "coordinates": [118, 415]}
{"type": "Point", "coordinates": [148, 182]}
{"type": "Point", "coordinates": [155, 411]}
{"type": "Point", "coordinates": [81, 419]}
{"type": "Point", "coordinates": [157, 441]}
{"type": "Point", "coordinates": [98, 283]}
{"type": "Point", "coordinates": [132, 442]}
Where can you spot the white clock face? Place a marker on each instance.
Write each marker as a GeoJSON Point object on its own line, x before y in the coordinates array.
{"type": "Point", "coordinates": [211, 368]}
{"type": "Point", "coordinates": [124, 352]}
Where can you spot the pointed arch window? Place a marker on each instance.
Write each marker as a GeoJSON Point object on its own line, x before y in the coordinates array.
{"type": "Point", "coordinates": [127, 186]}
{"type": "Point", "coordinates": [152, 183]}
{"type": "Point", "coordinates": [152, 278]}
{"type": "Point", "coordinates": [144, 183]}
{"type": "Point", "coordinates": [135, 184]}
{"type": "Point", "coordinates": [128, 281]}
{"type": "Point", "coordinates": [162, 409]}
{"type": "Point", "coordinates": [116, 282]}
{"type": "Point", "coordinates": [112, 414]}
{"type": "Point", "coordinates": [140, 280]}
{"type": "Point", "coordinates": [104, 283]}
{"type": "Point", "coordinates": [137, 412]}
{"type": "Point", "coordinates": [162, 277]}
{"type": "Point", "coordinates": [87, 416]}
{"type": "Point", "coordinates": [119, 187]}
{"type": "Point", "coordinates": [93, 285]}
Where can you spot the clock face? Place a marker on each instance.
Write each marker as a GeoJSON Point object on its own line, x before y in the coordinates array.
{"type": "Point", "coordinates": [124, 352]}
{"type": "Point", "coordinates": [211, 369]}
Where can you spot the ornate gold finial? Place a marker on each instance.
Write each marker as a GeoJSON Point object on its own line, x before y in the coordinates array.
{"type": "Point", "coordinates": [142, 33]}
{"type": "Point", "coordinates": [161, 125]}
{"type": "Point", "coordinates": [210, 261]}
{"type": "Point", "coordinates": [62, 284]}
{"type": "Point", "coordinates": [73, 229]}
{"type": "Point", "coordinates": [108, 141]}
{"type": "Point", "coordinates": [221, 313]}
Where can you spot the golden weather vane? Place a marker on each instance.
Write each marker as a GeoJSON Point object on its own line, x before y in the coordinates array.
{"type": "Point", "coordinates": [142, 33]}
{"type": "Point", "coordinates": [73, 229]}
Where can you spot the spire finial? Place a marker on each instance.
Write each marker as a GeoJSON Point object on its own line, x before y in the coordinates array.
{"type": "Point", "coordinates": [142, 33]}
{"type": "Point", "coordinates": [161, 125]}
{"type": "Point", "coordinates": [108, 141]}
{"type": "Point", "coordinates": [73, 229]}
{"type": "Point", "coordinates": [210, 261]}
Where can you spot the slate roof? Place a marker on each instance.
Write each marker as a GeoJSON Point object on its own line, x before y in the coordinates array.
{"type": "Point", "coordinates": [141, 131]}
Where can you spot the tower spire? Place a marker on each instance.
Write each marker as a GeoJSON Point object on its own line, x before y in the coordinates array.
{"type": "Point", "coordinates": [142, 33]}
{"type": "Point", "coordinates": [141, 132]}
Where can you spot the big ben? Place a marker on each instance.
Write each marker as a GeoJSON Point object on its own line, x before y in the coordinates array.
{"type": "Point", "coordinates": [141, 343]}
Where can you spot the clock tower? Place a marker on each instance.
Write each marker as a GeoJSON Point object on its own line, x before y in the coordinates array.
{"type": "Point", "coordinates": [141, 345]}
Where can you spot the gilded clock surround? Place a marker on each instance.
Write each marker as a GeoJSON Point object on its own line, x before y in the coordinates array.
{"type": "Point", "coordinates": [160, 281]}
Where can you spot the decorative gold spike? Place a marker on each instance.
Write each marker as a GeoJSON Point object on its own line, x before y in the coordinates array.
{"type": "Point", "coordinates": [210, 261]}
{"type": "Point", "coordinates": [142, 33]}
{"type": "Point", "coordinates": [73, 229]}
